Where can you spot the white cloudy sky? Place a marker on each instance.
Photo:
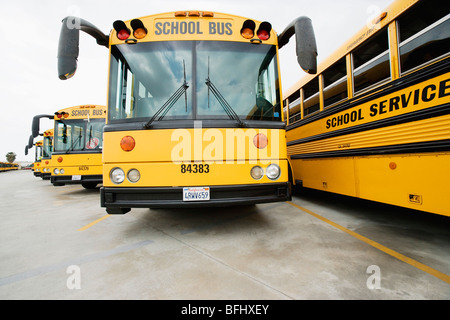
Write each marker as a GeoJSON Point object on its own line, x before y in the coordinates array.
{"type": "Point", "coordinates": [29, 32]}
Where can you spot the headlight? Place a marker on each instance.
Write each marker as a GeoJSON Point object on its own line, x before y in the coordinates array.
{"type": "Point", "coordinates": [257, 172]}
{"type": "Point", "coordinates": [56, 171]}
{"type": "Point", "coordinates": [133, 175]}
{"type": "Point", "coordinates": [61, 171]}
{"type": "Point", "coordinates": [273, 171]}
{"type": "Point", "coordinates": [117, 175]}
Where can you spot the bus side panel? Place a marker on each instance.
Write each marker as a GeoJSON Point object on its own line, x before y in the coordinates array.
{"type": "Point", "coordinates": [334, 174]}
{"type": "Point", "coordinates": [417, 182]}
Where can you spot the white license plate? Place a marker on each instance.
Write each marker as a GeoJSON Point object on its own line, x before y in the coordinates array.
{"type": "Point", "coordinates": [196, 194]}
{"type": "Point", "coordinates": [76, 177]}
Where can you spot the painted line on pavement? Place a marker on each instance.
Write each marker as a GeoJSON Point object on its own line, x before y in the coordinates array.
{"type": "Point", "coordinates": [442, 276]}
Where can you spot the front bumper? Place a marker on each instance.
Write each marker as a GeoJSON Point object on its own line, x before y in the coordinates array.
{"type": "Point", "coordinates": [120, 200]}
{"type": "Point", "coordinates": [63, 180]}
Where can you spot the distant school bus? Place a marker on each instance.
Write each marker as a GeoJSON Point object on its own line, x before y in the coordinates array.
{"type": "Point", "coordinates": [38, 158]}
{"type": "Point", "coordinates": [8, 166]}
{"type": "Point", "coordinates": [47, 150]}
{"type": "Point", "coordinates": [374, 123]}
{"type": "Point", "coordinates": [194, 108]}
{"type": "Point", "coordinates": [78, 145]}
{"type": "Point", "coordinates": [44, 148]}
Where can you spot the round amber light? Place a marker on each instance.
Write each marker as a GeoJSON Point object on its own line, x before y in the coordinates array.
{"type": "Point", "coordinates": [260, 141]}
{"type": "Point", "coordinates": [127, 143]}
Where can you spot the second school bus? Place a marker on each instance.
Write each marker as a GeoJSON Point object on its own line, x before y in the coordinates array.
{"type": "Point", "coordinates": [78, 145]}
{"type": "Point", "coordinates": [186, 89]}
{"type": "Point", "coordinates": [374, 123]}
{"type": "Point", "coordinates": [47, 150]}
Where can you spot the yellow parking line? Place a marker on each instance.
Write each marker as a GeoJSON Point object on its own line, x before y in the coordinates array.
{"type": "Point", "coordinates": [401, 257]}
{"type": "Point", "coordinates": [92, 223]}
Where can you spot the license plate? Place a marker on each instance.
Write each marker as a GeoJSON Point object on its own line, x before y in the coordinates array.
{"type": "Point", "coordinates": [76, 177]}
{"type": "Point", "coordinates": [196, 194]}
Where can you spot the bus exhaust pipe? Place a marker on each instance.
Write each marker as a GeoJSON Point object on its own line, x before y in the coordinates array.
{"type": "Point", "coordinates": [69, 39]}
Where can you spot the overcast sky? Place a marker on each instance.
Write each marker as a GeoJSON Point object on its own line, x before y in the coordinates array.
{"type": "Point", "coordinates": [29, 32]}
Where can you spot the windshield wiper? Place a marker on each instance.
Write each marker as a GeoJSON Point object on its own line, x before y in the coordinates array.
{"type": "Point", "coordinates": [74, 143]}
{"type": "Point", "coordinates": [170, 102]}
{"type": "Point", "coordinates": [225, 105]}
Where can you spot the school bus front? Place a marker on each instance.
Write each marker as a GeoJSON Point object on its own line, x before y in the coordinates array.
{"type": "Point", "coordinates": [192, 167]}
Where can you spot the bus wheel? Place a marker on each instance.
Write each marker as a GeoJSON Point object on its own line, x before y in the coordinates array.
{"type": "Point", "coordinates": [89, 185]}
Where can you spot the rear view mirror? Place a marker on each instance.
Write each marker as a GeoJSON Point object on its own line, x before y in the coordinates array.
{"type": "Point", "coordinates": [69, 39]}
{"type": "Point", "coordinates": [306, 47]}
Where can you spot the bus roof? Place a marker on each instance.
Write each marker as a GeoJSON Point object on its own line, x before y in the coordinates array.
{"type": "Point", "coordinates": [48, 133]}
{"type": "Point", "coordinates": [383, 19]}
{"type": "Point", "coordinates": [82, 112]}
{"type": "Point", "coordinates": [191, 25]}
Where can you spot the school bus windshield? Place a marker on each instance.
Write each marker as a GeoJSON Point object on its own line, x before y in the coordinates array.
{"type": "Point", "coordinates": [79, 135]}
{"type": "Point", "coordinates": [48, 147]}
{"type": "Point", "coordinates": [194, 80]}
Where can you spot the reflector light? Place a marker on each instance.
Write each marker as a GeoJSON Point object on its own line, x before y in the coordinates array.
{"type": "Point", "coordinates": [140, 33]}
{"type": "Point", "coordinates": [194, 14]}
{"type": "Point", "coordinates": [248, 29]}
{"type": "Point", "coordinates": [180, 14]}
{"type": "Point", "coordinates": [264, 30]}
{"type": "Point", "coordinates": [139, 30]}
{"type": "Point", "coordinates": [122, 30]}
{"type": "Point", "coordinates": [127, 143]}
{"type": "Point", "coordinates": [263, 35]}
{"type": "Point", "coordinates": [260, 141]}
{"type": "Point", "coordinates": [123, 34]}
{"type": "Point", "coordinates": [60, 159]}
{"type": "Point", "coordinates": [208, 14]}
{"type": "Point", "coordinates": [247, 33]}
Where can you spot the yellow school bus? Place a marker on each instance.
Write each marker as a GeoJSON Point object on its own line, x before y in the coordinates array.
{"type": "Point", "coordinates": [47, 149]}
{"type": "Point", "coordinates": [374, 123]}
{"type": "Point", "coordinates": [78, 145]}
{"type": "Point", "coordinates": [194, 108]}
{"type": "Point", "coordinates": [43, 149]}
{"type": "Point", "coordinates": [8, 166]}
{"type": "Point", "coordinates": [37, 158]}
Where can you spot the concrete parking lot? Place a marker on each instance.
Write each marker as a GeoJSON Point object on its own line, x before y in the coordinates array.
{"type": "Point", "coordinates": [58, 243]}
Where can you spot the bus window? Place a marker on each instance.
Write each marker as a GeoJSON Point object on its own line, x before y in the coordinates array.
{"type": "Point", "coordinates": [150, 78]}
{"type": "Point", "coordinates": [335, 83]}
{"type": "Point", "coordinates": [294, 111]}
{"type": "Point", "coordinates": [311, 102]}
{"type": "Point", "coordinates": [94, 135]}
{"type": "Point", "coordinates": [424, 34]}
{"type": "Point", "coordinates": [371, 62]}
{"type": "Point", "coordinates": [249, 88]}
